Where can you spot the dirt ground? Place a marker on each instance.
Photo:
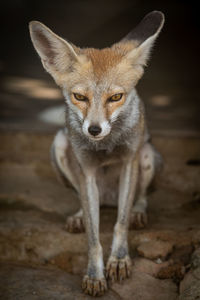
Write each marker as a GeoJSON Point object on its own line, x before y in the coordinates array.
{"type": "Point", "coordinates": [40, 260]}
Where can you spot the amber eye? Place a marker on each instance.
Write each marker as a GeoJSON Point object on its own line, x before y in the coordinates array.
{"type": "Point", "coordinates": [115, 97]}
{"type": "Point", "coordinates": [80, 97]}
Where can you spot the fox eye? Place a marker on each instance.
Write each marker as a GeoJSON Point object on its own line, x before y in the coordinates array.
{"type": "Point", "coordinates": [80, 97]}
{"type": "Point", "coordinates": [115, 97]}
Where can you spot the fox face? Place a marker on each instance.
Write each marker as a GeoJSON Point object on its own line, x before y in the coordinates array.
{"type": "Point", "coordinates": [101, 89]}
{"type": "Point", "coordinates": [98, 85]}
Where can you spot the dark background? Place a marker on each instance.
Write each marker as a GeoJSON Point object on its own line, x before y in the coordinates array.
{"type": "Point", "coordinates": [170, 86]}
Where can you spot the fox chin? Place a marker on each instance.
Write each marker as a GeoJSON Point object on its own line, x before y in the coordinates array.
{"type": "Point", "coordinates": [104, 151]}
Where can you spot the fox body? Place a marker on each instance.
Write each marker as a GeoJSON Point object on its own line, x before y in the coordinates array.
{"type": "Point", "coordinates": [104, 151]}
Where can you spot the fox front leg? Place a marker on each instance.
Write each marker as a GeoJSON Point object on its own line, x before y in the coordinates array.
{"type": "Point", "coordinates": [94, 282]}
{"type": "Point", "coordinates": [119, 263]}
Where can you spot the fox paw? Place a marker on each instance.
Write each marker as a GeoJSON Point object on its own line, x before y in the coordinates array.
{"type": "Point", "coordinates": [138, 220]}
{"type": "Point", "coordinates": [118, 269]}
{"type": "Point", "coordinates": [74, 224]}
{"type": "Point", "coordinates": [94, 287]}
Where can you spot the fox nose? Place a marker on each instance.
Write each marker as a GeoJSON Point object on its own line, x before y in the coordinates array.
{"type": "Point", "coordinates": [94, 130]}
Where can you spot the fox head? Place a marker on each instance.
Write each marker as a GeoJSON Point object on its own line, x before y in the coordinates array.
{"type": "Point", "coordinates": [98, 85]}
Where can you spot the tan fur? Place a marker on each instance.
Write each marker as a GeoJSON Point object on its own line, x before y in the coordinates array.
{"type": "Point", "coordinates": [103, 60]}
{"type": "Point", "coordinates": [112, 62]}
{"type": "Point", "coordinates": [112, 106]}
{"type": "Point", "coordinates": [109, 107]}
{"type": "Point", "coordinates": [95, 64]}
{"type": "Point", "coordinates": [107, 65]}
{"type": "Point", "coordinates": [83, 106]}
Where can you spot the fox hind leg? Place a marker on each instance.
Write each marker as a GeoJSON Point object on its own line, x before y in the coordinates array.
{"type": "Point", "coordinates": [138, 217]}
{"type": "Point", "coordinates": [65, 164]}
{"type": "Point", "coordinates": [74, 223]}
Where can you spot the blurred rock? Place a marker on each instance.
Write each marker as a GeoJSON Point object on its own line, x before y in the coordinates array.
{"type": "Point", "coordinates": [178, 263]}
{"type": "Point", "coordinates": [142, 286]}
{"type": "Point", "coordinates": [182, 254]}
{"type": "Point", "coordinates": [155, 249]}
{"type": "Point", "coordinates": [71, 262]}
{"type": "Point", "coordinates": [175, 271]}
{"type": "Point", "coordinates": [190, 285]}
{"type": "Point", "coordinates": [34, 207]}
{"type": "Point", "coordinates": [195, 260]}
{"type": "Point", "coordinates": [37, 283]}
{"type": "Point", "coordinates": [148, 266]}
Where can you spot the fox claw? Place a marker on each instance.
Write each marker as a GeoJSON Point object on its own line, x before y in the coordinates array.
{"type": "Point", "coordinates": [118, 269]}
{"type": "Point", "coordinates": [94, 287]}
{"type": "Point", "coordinates": [75, 224]}
{"type": "Point", "coordinates": [138, 220]}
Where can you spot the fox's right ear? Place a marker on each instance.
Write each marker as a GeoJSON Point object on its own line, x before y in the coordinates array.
{"type": "Point", "coordinates": [57, 55]}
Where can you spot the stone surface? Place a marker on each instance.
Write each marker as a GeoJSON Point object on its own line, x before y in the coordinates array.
{"type": "Point", "coordinates": [175, 271]}
{"type": "Point", "coordinates": [155, 249]}
{"type": "Point", "coordinates": [178, 263]}
{"type": "Point", "coordinates": [34, 207]}
{"type": "Point", "coordinates": [182, 254]}
{"type": "Point", "coordinates": [190, 285]}
{"type": "Point", "coordinates": [195, 260]}
{"type": "Point", "coordinates": [68, 261]}
{"type": "Point", "coordinates": [148, 266]}
{"type": "Point", "coordinates": [142, 286]}
{"type": "Point", "coordinates": [31, 283]}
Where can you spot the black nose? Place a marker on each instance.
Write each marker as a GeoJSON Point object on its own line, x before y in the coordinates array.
{"type": "Point", "coordinates": [94, 130]}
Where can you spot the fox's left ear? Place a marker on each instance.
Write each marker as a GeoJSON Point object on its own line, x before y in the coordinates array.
{"type": "Point", "coordinates": [141, 39]}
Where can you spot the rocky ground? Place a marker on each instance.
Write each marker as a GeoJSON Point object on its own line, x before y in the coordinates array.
{"type": "Point", "coordinates": [40, 260]}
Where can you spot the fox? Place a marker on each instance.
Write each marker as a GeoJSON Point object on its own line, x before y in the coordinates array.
{"type": "Point", "coordinates": [104, 151]}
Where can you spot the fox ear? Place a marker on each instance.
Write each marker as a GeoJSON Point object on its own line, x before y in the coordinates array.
{"type": "Point", "coordinates": [143, 37]}
{"type": "Point", "coordinates": [57, 55]}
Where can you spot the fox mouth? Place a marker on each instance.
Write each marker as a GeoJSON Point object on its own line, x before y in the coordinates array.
{"type": "Point", "coordinates": [96, 138]}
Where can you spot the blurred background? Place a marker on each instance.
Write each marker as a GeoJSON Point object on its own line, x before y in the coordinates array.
{"type": "Point", "coordinates": [170, 86]}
